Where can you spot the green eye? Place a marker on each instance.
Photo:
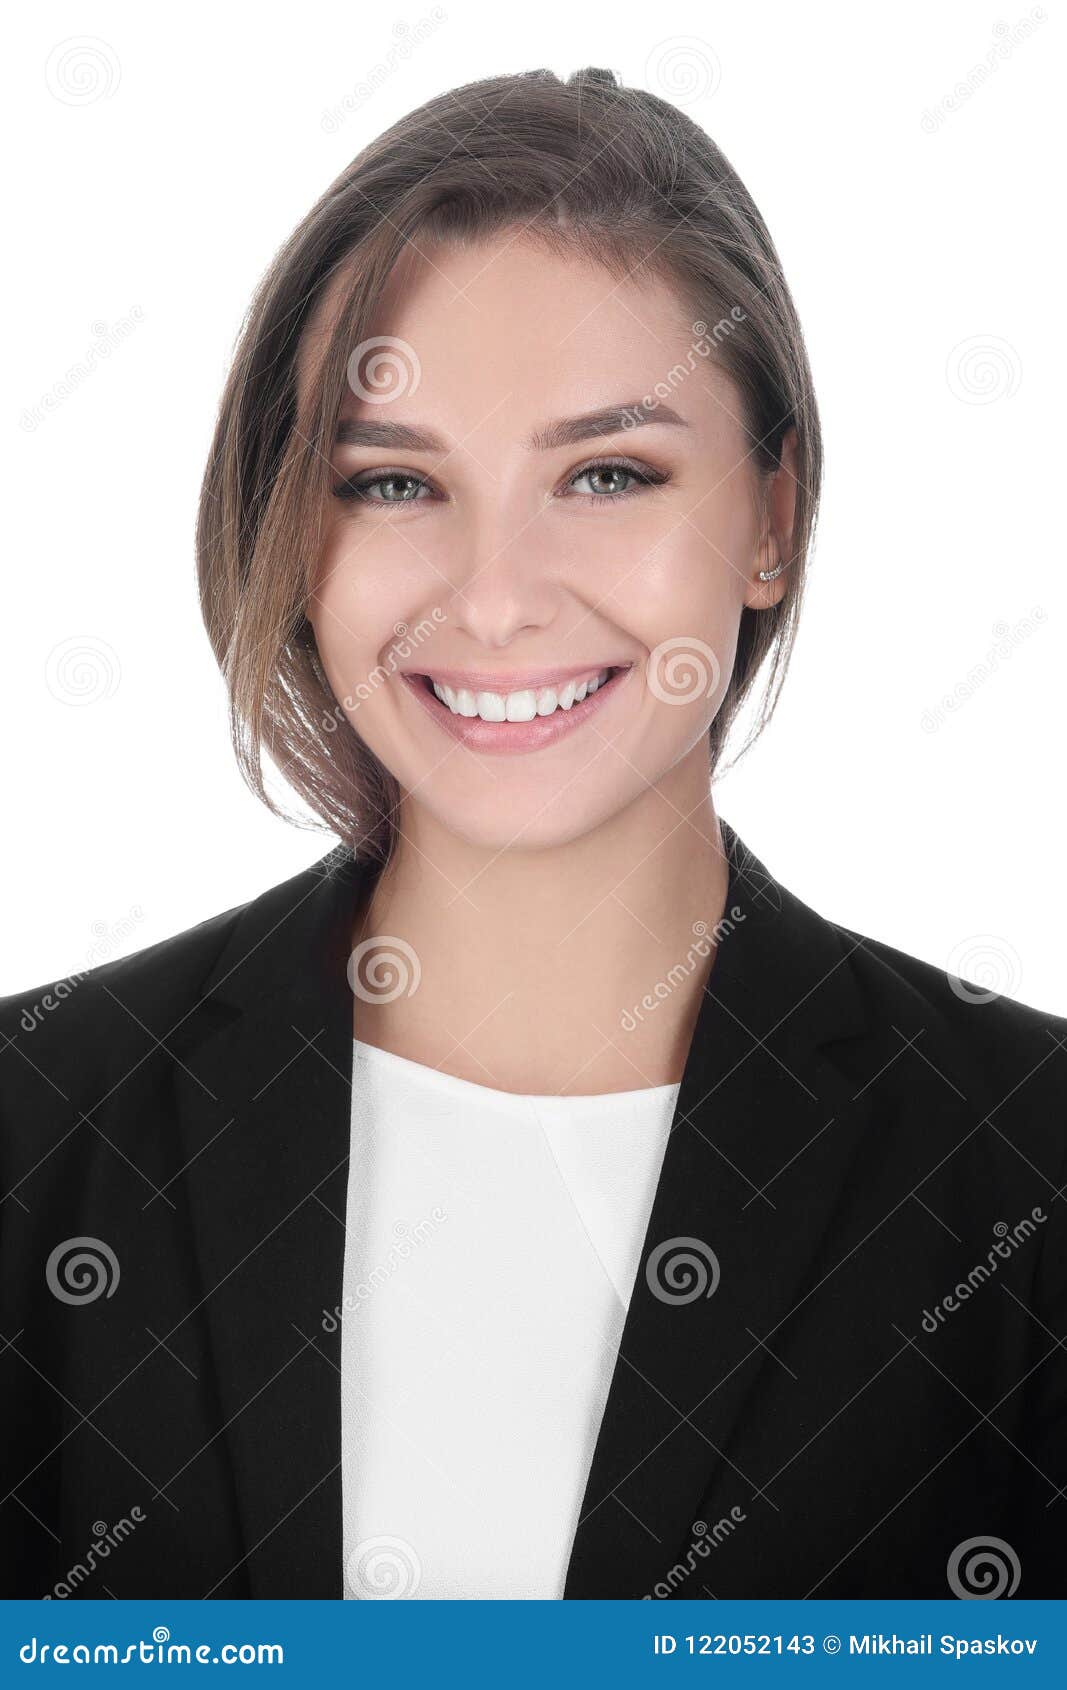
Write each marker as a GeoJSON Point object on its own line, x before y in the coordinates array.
{"type": "Point", "coordinates": [399, 487]}
{"type": "Point", "coordinates": [610, 472]}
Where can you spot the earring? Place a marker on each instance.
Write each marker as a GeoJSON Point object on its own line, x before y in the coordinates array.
{"type": "Point", "coordinates": [772, 574]}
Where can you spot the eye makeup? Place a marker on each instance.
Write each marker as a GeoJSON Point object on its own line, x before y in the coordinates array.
{"type": "Point", "coordinates": [357, 488]}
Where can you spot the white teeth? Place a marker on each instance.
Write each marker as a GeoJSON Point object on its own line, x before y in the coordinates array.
{"type": "Point", "coordinates": [518, 706]}
{"type": "Point", "coordinates": [492, 706]}
{"type": "Point", "coordinates": [521, 706]}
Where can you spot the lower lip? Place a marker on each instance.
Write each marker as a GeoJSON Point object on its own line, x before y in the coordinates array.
{"type": "Point", "coordinates": [514, 737]}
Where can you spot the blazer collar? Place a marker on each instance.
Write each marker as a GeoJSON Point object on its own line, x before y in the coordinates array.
{"type": "Point", "coordinates": [264, 1102]}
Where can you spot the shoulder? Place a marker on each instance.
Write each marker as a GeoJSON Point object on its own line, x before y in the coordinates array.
{"type": "Point", "coordinates": [984, 1021]}
{"type": "Point", "coordinates": [1006, 1060]}
{"type": "Point", "coordinates": [73, 1037]}
{"type": "Point", "coordinates": [93, 1020]}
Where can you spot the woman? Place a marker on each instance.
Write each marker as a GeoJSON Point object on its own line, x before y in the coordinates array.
{"type": "Point", "coordinates": [533, 1197]}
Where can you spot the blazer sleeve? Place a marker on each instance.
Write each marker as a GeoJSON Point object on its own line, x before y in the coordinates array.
{"type": "Point", "coordinates": [1044, 1570]}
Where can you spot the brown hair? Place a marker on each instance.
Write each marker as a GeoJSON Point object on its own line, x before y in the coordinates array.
{"type": "Point", "coordinates": [585, 165]}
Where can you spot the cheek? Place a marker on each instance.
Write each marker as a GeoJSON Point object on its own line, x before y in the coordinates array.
{"type": "Point", "coordinates": [683, 603]}
{"type": "Point", "coordinates": [371, 607]}
{"type": "Point", "coordinates": [361, 604]}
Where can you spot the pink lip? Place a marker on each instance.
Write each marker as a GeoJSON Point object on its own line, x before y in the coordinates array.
{"type": "Point", "coordinates": [513, 737]}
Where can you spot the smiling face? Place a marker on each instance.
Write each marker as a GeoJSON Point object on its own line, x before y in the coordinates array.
{"type": "Point", "coordinates": [566, 563]}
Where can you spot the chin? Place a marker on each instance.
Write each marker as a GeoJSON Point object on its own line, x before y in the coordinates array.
{"type": "Point", "coordinates": [497, 805]}
{"type": "Point", "coordinates": [513, 827]}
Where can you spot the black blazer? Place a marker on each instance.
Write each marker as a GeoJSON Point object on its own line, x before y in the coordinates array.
{"type": "Point", "coordinates": [853, 1140]}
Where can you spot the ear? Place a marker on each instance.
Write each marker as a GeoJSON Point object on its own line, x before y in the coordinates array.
{"type": "Point", "coordinates": [776, 539]}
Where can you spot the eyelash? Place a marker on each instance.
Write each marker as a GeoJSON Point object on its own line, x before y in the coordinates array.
{"type": "Point", "coordinates": [355, 489]}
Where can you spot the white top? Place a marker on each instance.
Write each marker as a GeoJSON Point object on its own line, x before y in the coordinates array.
{"type": "Point", "coordinates": [492, 1244]}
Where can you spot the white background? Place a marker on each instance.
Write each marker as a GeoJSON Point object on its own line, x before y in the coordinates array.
{"type": "Point", "coordinates": [923, 247]}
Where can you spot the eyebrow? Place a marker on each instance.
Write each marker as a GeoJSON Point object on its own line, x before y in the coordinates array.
{"type": "Point", "coordinates": [566, 431]}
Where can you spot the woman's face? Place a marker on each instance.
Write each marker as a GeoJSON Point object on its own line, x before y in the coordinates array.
{"type": "Point", "coordinates": [495, 541]}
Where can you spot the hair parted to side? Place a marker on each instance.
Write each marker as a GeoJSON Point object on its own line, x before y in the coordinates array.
{"type": "Point", "coordinates": [613, 174]}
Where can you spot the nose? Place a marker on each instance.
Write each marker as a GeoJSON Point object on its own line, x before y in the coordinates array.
{"type": "Point", "coordinates": [505, 582]}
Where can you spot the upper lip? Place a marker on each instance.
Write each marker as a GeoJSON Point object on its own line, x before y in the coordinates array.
{"type": "Point", "coordinates": [516, 680]}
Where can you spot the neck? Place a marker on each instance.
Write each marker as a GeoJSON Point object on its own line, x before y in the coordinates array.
{"type": "Point", "coordinates": [574, 969]}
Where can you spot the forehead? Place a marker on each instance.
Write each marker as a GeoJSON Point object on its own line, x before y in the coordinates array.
{"type": "Point", "coordinates": [496, 335]}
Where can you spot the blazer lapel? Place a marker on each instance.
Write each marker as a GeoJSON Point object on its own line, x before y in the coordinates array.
{"type": "Point", "coordinates": [263, 1104]}
{"type": "Point", "coordinates": [757, 1093]}
{"type": "Point", "coordinates": [264, 1110]}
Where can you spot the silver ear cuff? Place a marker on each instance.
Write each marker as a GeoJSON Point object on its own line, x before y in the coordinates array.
{"type": "Point", "coordinates": [772, 574]}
